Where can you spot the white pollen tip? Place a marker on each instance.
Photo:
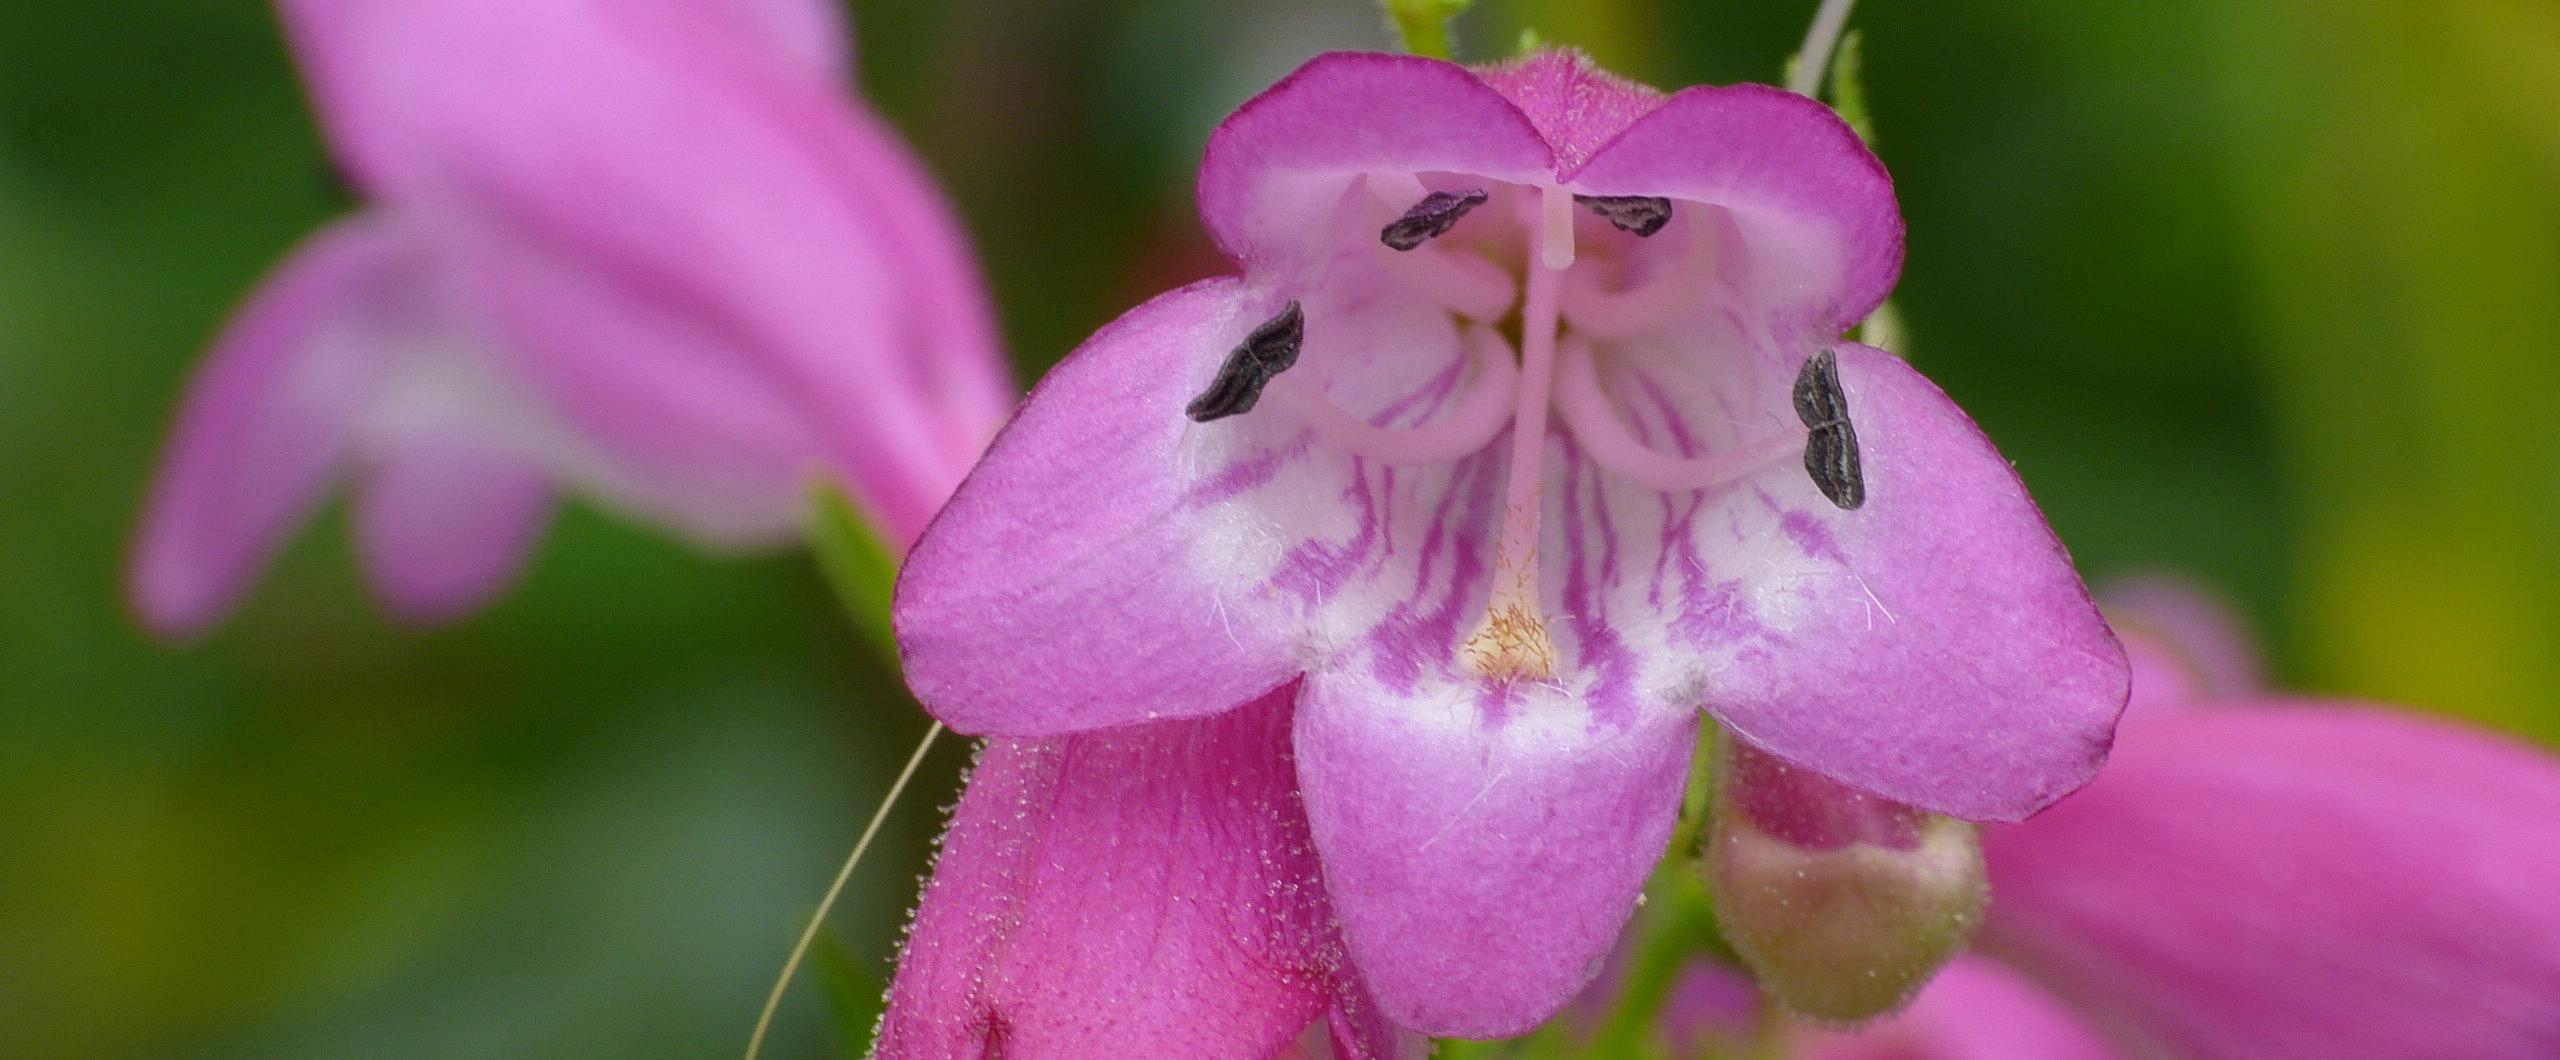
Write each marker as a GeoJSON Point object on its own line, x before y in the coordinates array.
{"type": "Point", "coordinates": [1555, 242]}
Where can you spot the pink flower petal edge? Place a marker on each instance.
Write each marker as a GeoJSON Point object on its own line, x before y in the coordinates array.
{"type": "Point", "coordinates": [1953, 661]}
{"type": "Point", "coordinates": [264, 427]}
{"type": "Point", "coordinates": [1050, 594]}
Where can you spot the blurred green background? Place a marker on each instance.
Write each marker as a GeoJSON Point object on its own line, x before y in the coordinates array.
{"type": "Point", "coordinates": [2255, 290]}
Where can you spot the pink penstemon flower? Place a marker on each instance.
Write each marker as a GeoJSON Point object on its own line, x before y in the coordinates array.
{"type": "Point", "coordinates": [646, 252]}
{"type": "Point", "coordinates": [1524, 433]}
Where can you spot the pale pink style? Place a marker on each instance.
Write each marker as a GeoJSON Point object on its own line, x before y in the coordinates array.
{"type": "Point", "coordinates": [648, 252]}
{"type": "Point", "coordinates": [1497, 586]}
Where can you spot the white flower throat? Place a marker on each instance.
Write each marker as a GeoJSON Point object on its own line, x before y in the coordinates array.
{"type": "Point", "coordinates": [1567, 311]}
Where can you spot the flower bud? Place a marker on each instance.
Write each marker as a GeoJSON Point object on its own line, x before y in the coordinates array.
{"type": "Point", "coordinates": [1842, 902]}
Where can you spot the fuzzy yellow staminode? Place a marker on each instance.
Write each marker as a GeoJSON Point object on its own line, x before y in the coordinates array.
{"type": "Point", "coordinates": [1513, 643]}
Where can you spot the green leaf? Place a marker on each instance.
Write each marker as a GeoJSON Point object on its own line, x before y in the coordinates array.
{"type": "Point", "coordinates": [2398, 175]}
{"type": "Point", "coordinates": [1677, 924]}
{"type": "Point", "coordinates": [861, 567]}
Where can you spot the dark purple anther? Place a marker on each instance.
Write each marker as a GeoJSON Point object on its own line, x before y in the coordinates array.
{"type": "Point", "coordinates": [1265, 353]}
{"type": "Point", "coordinates": [1428, 219]}
{"type": "Point", "coordinates": [1643, 215]}
{"type": "Point", "coordinates": [1831, 449]}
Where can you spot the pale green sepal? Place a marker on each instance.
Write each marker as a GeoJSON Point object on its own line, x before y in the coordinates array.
{"type": "Point", "coordinates": [860, 567]}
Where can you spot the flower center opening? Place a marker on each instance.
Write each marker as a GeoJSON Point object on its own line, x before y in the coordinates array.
{"type": "Point", "coordinates": [1568, 314]}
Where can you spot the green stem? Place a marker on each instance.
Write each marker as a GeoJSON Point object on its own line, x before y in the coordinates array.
{"type": "Point", "coordinates": [1684, 932]}
{"type": "Point", "coordinates": [1422, 26]}
{"type": "Point", "coordinates": [1849, 87]}
{"type": "Point", "coordinates": [1679, 921]}
{"type": "Point", "coordinates": [1814, 59]}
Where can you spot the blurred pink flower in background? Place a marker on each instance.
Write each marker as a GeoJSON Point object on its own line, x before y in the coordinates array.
{"type": "Point", "coordinates": [2260, 875]}
{"type": "Point", "coordinates": [2251, 876]}
{"type": "Point", "coordinates": [1484, 717]}
{"type": "Point", "coordinates": [646, 252]}
{"type": "Point", "coordinates": [1976, 1009]}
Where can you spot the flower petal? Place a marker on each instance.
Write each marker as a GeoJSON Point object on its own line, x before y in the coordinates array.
{"type": "Point", "coordinates": [325, 36]}
{"type": "Point", "coordinates": [659, 150]}
{"type": "Point", "coordinates": [1974, 1010]}
{"type": "Point", "coordinates": [2163, 678]}
{"type": "Point", "coordinates": [1358, 1030]}
{"type": "Point", "coordinates": [953, 363]}
{"type": "Point", "coordinates": [1054, 593]}
{"type": "Point", "coordinates": [1935, 646]}
{"type": "Point", "coordinates": [651, 407]}
{"type": "Point", "coordinates": [266, 424]}
{"type": "Point", "coordinates": [329, 41]}
{"type": "Point", "coordinates": [812, 33]}
{"type": "Point", "coordinates": [1484, 847]}
{"type": "Point", "coordinates": [1712, 1009]}
{"type": "Point", "coordinates": [1575, 105]}
{"type": "Point", "coordinates": [2296, 879]}
{"type": "Point", "coordinates": [1280, 162]}
{"type": "Point", "coordinates": [2188, 645]}
{"type": "Point", "coordinates": [1147, 891]}
{"type": "Point", "coordinates": [445, 522]}
{"type": "Point", "coordinates": [1820, 230]}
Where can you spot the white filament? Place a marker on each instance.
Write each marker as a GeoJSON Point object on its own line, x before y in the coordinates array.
{"type": "Point", "coordinates": [1613, 446]}
{"type": "Point", "coordinates": [1592, 309]}
{"type": "Point", "coordinates": [1460, 432]}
